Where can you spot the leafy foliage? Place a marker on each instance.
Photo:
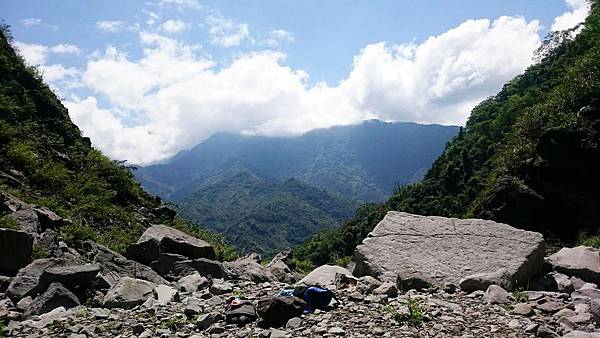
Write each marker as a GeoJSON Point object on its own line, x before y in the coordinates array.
{"type": "Point", "coordinates": [58, 167]}
{"type": "Point", "coordinates": [501, 139]}
{"type": "Point", "coordinates": [416, 313]}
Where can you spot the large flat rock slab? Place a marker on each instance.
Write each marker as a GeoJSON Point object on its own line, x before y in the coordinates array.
{"type": "Point", "coordinates": [581, 261]}
{"type": "Point", "coordinates": [448, 250]}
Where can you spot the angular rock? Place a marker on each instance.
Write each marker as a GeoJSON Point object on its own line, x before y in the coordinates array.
{"type": "Point", "coordinates": [388, 289]}
{"type": "Point", "coordinates": [248, 268]}
{"type": "Point", "coordinates": [192, 283]}
{"type": "Point", "coordinates": [27, 281]}
{"type": "Point", "coordinates": [4, 283]}
{"type": "Point", "coordinates": [446, 250]}
{"type": "Point", "coordinates": [164, 264]}
{"type": "Point", "coordinates": [220, 287]}
{"type": "Point", "coordinates": [497, 295]}
{"type": "Point", "coordinates": [165, 294]}
{"type": "Point", "coordinates": [522, 310]}
{"type": "Point", "coordinates": [414, 281]}
{"type": "Point", "coordinates": [205, 321]}
{"type": "Point", "coordinates": [483, 280]}
{"type": "Point", "coordinates": [203, 266]}
{"type": "Point", "coordinates": [280, 266]}
{"type": "Point", "coordinates": [582, 334]}
{"type": "Point", "coordinates": [276, 311]}
{"type": "Point", "coordinates": [55, 296]}
{"type": "Point", "coordinates": [324, 276]}
{"type": "Point", "coordinates": [551, 307]}
{"type": "Point", "coordinates": [113, 266]}
{"type": "Point", "coordinates": [72, 276]}
{"type": "Point", "coordinates": [595, 310]}
{"type": "Point", "coordinates": [581, 261]}
{"type": "Point", "coordinates": [15, 249]}
{"type": "Point", "coordinates": [159, 239]}
{"type": "Point", "coordinates": [128, 293]}
{"type": "Point", "coordinates": [49, 241]}
{"type": "Point", "coordinates": [367, 284]}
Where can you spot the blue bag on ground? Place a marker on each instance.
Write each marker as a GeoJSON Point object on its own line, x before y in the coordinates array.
{"type": "Point", "coordinates": [316, 297]}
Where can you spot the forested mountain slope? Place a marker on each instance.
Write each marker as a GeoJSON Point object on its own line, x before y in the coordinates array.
{"type": "Point", "coordinates": [528, 156]}
{"type": "Point", "coordinates": [45, 160]}
{"type": "Point", "coordinates": [362, 162]}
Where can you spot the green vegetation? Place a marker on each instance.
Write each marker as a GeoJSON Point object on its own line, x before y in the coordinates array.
{"type": "Point", "coordinates": [520, 296]}
{"type": "Point", "coordinates": [174, 323]}
{"type": "Point", "coordinates": [39, 252]}
{"type": "Point", "coordinates": [416, 313]}
{"type": "Point", "coordinates": [505, 165]}
{"type": "Point", "coordinates": [263, 217]}
{"type": "Point", "coordinates": [59, 169]}
{"type": "Point", "coordinates": [9, 223]}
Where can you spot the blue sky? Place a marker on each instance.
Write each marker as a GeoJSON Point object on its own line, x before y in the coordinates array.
{"type": "Point", "coordinates": [145, 79]}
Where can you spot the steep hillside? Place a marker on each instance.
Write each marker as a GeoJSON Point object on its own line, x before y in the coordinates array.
{"type": "Point", "coordinates": [363, 162]}
{"type": "Point", "coordinates": [264, 217]}
{"type": "Point", "coordinates": [44, 160]}
{"type": "Point", "coordinates": [528, 156]}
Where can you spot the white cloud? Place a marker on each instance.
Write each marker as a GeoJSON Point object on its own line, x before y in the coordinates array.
{"type": "Point", "coordinates": [33, 53]}
{"type": "Point", "coordinates": [180, 4]}
{"type": "Point", "coordinates": [37, 55]}
{"type": "Point", "coordinates": [225, 32]}
{"type": "Point", "coordinates": [182, 98]}
{"type": "Point", "coordinates": [65, 48]}
{"type": "Point", "coordinates": [115, 26]}
{"type": "Point", "coordinates": [31, 22]}
{"type": "Point", "coordinates": [580, 10]}
{"type": "Point", "coordinates": [278, 37]}
{"type": "Point", "coordinates": [174, 26]}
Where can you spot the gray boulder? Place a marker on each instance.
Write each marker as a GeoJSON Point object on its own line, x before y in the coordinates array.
{"type": "Point", "coordinates": [497, 295]}
{"type": "Point", "coordinates": [581, 261]}
{"type": "Point", "coordinates": [324, 276]}
{"type": "Point", "coordinates": [203, 266]}
{"type": "Point", "coordinates": [27, 281]}
{"type": "Point", "coordinates": [113, 266]}
{"type": "Point", "coordinates": [220, 287]}
{"type": "Point", "coordinates": [128, 293]}
{"type": "Point", "coordinates": [248, 268]}
{"type": "Point", "coordinates": [164, 294]}
{"type": "Point", "coordinates": [192, 283]}
{"type": "Point", "coordinates": [279, 267]}
{"type": "Point", "coordinates": [54, 297]}
{"type": "Point", "coordinates": [276, 311]}
{"type": "Point", "coordinates": [72, 276]}
{"type": "Point", "coordinates": [447, 250]}
{"type": "Point", "coordinates": [159, 239]}
{"type": "Point", "coordinates": [15, 249]}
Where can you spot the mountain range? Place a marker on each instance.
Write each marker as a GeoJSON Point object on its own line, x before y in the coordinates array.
{"type": "Point", "coordinates": [266, 193]}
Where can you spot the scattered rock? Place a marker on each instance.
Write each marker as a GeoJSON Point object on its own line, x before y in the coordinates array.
{"type": "Point", "coordinates": [203, 266]}
{"type": "Point", "coordinates": [159, 239]}
{"type": "Point", "coordinates": [205, 321]}
{"type": "Point", "coordinates": [324, 276]}
{"type": "Point", "coordinates": [71, 276]}
{"type": "Point", "coordinates": [192, 283]}
{"type": "Point", "coordinates": [276, 311]}
{"type": "Point", "coordinates": [15, 249]}
{"type": "Point", "coordinates": [220, 287]}
{"type": "Point", "coordinates": [446, 250]}
{"type": "Point", "coordinates": [388, 289]}
{"type": "Point", "coordinates": [367, 284]}
{"type": "Point", "coordinates": [165, 294]}
{"type": "Point", "coordinates": [522, 310]}
{"type": "Point", "coordinates": [128, 292]}
{"type": "Point", "coordinates": [497, 295]}
{"type": "Point", "coordinates": [581, 261]}
{"type": "Point", "coordinates": [248, 268]}
{"type": "Point", "coordinates": [55, 296]}
{"type": "Point", "coordinates": [27, 281]}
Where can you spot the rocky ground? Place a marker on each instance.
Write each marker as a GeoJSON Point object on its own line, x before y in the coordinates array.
{"type": "Point", "coordinates": [169, 285]}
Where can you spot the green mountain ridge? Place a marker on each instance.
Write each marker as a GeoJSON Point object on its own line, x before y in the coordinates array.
{"type": "Point", "coordinates": [528, 156]}
{"type": "Point", "coordinates": [265, 217]}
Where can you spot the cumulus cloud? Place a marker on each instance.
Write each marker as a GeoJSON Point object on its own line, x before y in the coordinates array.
{"type": "Point", "coordinates": [30, 22]}
{"type": "Point", "coordinates": [579, 11]}
{"type": "Point", "coordinates": [182, 98]}
{"type": "Point", "coordinates": [37, 55]}
{"type": "Point", "coordinates": [225, 32]}
{"type": "Point", "coordinates": [115, 26]}
{"type": "Point", "coordinates": [174, 26]}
